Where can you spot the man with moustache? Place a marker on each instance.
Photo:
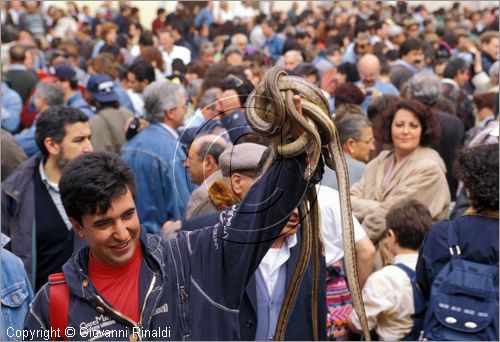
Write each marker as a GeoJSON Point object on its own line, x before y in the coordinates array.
{"type": "Point", "coordinates": [32, 212]}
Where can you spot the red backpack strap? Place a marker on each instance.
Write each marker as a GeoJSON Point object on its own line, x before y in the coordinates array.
{"type": "Point", "coordinates": [58, 304]}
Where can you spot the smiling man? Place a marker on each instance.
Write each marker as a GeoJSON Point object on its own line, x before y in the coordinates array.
{"type": "Point", "coordinates": [32, 213]}
{"type": "Point", "coordinates": [138, 283]}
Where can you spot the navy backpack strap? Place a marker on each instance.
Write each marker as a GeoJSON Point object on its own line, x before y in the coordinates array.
{"type": "Point", "coordinates": [453, 245]}
{"type": "Point", "coordinates": [409, 272]}
{"type": "Point", "coordinates": [418, 303]}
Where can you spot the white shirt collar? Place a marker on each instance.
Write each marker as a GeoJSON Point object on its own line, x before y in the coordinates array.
{"type": "Point", "coordinates": [45, 179]}
{"type": "Point", "coordinates": [170, 129]}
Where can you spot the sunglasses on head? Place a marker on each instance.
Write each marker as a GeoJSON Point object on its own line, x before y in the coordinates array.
{"type": "Point", "coordinates": [231, 82]}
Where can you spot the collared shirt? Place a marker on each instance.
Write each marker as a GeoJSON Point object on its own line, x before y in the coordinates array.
{"type": "Point", "coordinates": [53, 189]}
{"type": "Point", "coordinates": [17, 67]}
{"type": "Point", "coordinates": [451, 82]}
{"type": "Point", "coordinates": [407, 65]}
{"type": "Point", "coordinates": [388, 298]}
{"type": "Point", "coordinates": [274, 46]}
{"type": "Point", "coordinates": [274, 259]}
{"type": "Point", "coordinates": [381, 87]}
{"type": "Point", "coordinates": [486, 121]}
{"type": "Point", "coordinates": [170, 129]}
{"type": "Point", "coordinates": [331, 224]}
{"type": "Point", "coordinates": [177, 52]}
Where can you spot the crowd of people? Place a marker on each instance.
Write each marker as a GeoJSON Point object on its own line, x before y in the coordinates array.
{"type": "Point", "coordinates": [128, 164]}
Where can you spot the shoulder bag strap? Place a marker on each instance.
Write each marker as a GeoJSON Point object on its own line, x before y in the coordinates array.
{"type": "Point", "coordinates": [58, 304]}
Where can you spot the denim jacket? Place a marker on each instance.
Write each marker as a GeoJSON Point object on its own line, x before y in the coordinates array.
{"type": "Point", "coordinates": [162, 183]}
{"type": "Point", "coordinates": [16, 295]}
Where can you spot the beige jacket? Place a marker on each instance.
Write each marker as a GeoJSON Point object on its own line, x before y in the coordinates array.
{"type": "Point", "coordinates": [200, 203]}
{"type": "Point", "coordinates": [422, 177]}
{"type": "Point", "coordinates": [108, 129]}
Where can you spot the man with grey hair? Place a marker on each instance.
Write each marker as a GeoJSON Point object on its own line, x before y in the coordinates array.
{"type": "Point", "coordinates": [206, 118]}
{"type": "Point", "coordinates": [157, 158]}
{"type": "Point", "coordinates": [426, 87]}
{"type": "Point", "coordinates": [46, 95]}
{"type": "Point", "coordinates": [241, 41]}
{"type": "Point", "coordinates": [292, 59]}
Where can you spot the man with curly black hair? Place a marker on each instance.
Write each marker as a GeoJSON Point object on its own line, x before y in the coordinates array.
{"type": "Point", "coordinates": [477, 228]}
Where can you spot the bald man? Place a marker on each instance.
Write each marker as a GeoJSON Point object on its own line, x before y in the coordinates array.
{"type": "Point", "coordinates": [202, 164]}
{"type": "Point", "coordinates": [291, 59]}
{"type": "Point", "coordinates": [370, 83]}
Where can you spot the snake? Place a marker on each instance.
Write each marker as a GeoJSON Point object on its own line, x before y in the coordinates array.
{"type": "Point", "coordinates": [270, 111]}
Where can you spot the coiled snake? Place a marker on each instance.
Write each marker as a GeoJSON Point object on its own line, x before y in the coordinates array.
{"type": "Point", "coordinates": [270, 110]}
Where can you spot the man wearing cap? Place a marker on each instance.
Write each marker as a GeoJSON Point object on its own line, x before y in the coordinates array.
{"type": "Point", "coordinates": [202, 164]}
{"type": "Point", "coordinates": [108, 125]}
{"type": "Point", "coordinates": [66, 79]}
{"type": "Point", "coordinates": [395, 37]}
{"type": "Point", "coordinates": [32, 212]}
{"type": "Point", "coordinates": [241, 165]}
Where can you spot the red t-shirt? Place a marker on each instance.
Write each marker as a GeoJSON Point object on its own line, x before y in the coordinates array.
{"type": "Point", "coordinates": [119, 285]}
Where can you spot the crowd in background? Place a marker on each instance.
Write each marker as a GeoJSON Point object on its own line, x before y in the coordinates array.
{"type": "Point", "coordinates": [408, 89]}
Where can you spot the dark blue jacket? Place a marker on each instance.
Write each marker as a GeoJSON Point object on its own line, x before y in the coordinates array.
{"type": "Point", "coordinates": [300, 324]}
{"type": "Point", "coordinates": [478, 239]}
{"type": "Point", "coordinates": [214, 264]}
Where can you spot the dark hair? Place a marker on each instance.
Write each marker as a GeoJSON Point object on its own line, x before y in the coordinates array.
{"type": "Point", "coordinates": [453, 67]}
{"type": "Point", "coordinates": [348, 93]}
{"type": "Point", "coordinates": [112, 49]}
{"type": "Point", "coordinates": [485, 100]}
{"type": "Point", "coordinates": [146, 39]}
{"type": "Point", "coordinates": [431, 127]}
{"type": "Point", "coordinates": [350, 70]}
{"type": "Point", "coordinates": [307, 69]}
{"type": "Point", "coordinates": [211, 148]}
{"type": "Point", "coordinates": [177, 26]}
{"type": "Point", "coordinates": [239, 83]}
{"type": "Point", "coordinates": [410, 45]}
{"type": "Point", "coordinates": [409, 220]}
{"type": "Point", "coordinates": [477, 168]}
{"type": "Point", "coordinates": [52, 123]}
{"type": "Point", "coordinates": [379, 104]}
{"type": "Point", "coordinates": [160, 11]}
{"type": "Point", "coordinates": [302, 35]}
{"type": "Point", "coordinates": [143, 70]}
{"type": "Point", "coordinates": [17, 53]}
{"type": "Point", "coordinates": [92, 181]}
{"type": "Point", "coordinates": [392, 55]}
{"type": "Point", "coordinates": [178, 65]}
{"type": "Point", "coordinates": [271, 23]}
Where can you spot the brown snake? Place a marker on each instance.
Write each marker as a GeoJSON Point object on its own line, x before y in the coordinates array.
{"type": "Point", "coordinates": [270, 110]}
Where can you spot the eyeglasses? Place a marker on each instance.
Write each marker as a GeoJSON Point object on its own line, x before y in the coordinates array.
{"type": "Point", "coordinates": [368, 142]}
